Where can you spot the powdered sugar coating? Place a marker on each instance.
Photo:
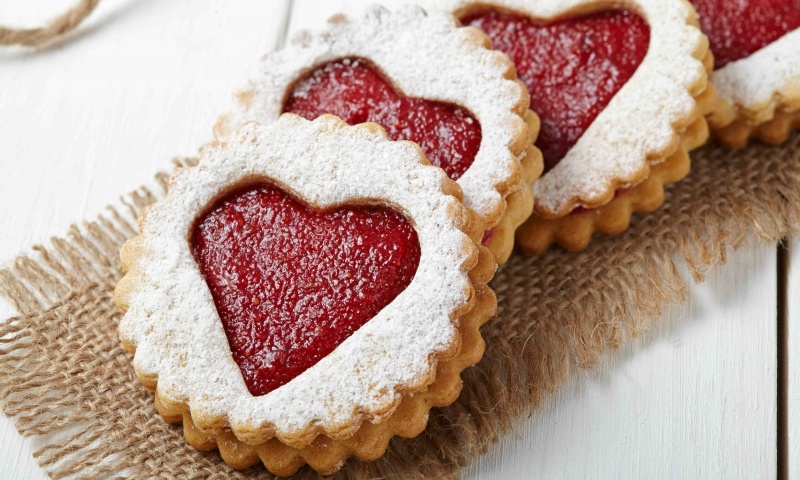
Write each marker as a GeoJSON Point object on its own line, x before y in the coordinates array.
{"type": "Point", "coordinates": [426, 56]}
{"type": "Point", "coordinates": [173, 322]}
{"type": "Point", "coordinates": [618, 148]}
{"type": "Point", "coordinates": [755, 83]}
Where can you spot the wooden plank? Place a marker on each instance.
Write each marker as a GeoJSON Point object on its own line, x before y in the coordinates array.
{"type": "Point", "coordinates": [88, 120]}
{"type": "Point", "coordinates": [792, 375]}
{"type": "Point", "coordinates": [82, 122]}
{"type": "Point", "coordinates": [695, 398]}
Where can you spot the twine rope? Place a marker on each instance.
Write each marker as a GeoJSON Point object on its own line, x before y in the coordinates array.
{"type": "Point", "coordinates": [35, 37]}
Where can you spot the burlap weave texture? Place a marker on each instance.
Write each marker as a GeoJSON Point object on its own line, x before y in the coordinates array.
{"type": "Point", "coordinates": [62, 368]}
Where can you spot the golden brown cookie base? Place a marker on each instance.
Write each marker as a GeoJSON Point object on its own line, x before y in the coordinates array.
{"type": "Point", "coordinates": [326, 455]}
{"type": "Point", "coordinates": [574, 231]}
{"type": "Point", "coordinates": [519, 204]}
{"type": "Point", "coordinates": [734, 125]}
{"type": "Point", "coordinates": [774, 131]}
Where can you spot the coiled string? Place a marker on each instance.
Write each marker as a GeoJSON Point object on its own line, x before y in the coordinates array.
{"type": "Point", "coordinates": [35, 37]}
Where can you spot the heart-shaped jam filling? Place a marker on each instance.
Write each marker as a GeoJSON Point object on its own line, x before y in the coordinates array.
{"type": "Point", "coordinates": [355, 92]}
{"type": "Point", "coordinates": [291, 283]}
{"type": "Point", "coordinates": [739, 28]}
{"type": "Point", "coordinates": [573, 67]}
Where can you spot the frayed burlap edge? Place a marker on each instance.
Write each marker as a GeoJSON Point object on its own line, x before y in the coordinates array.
{"type": "Point", "coordinates": [63, 373]}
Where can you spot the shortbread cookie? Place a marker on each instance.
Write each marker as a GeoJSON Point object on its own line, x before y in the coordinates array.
{"type": "Point", "coordinates": [756, 46]}
{"type": "Point", "coordinates": [621, 87]}
{"type": "Point", "coordinates": [307, 292]}
{"type": "Point", "coordinates": [424, 79]}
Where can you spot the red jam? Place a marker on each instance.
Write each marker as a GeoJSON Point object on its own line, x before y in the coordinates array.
{"type": "Point", "coordinates": [291, 283]}
{"type": "Point", "coordinates": [572, 67]}
{"type": "Point", "coordinates": [356, 93]}
{"type": "Point", "coordinates": [737, 29]}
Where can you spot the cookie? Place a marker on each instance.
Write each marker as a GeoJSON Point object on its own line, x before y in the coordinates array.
{"type": "Point", "coordinates": [423, 78]}
{"type": "Point", "coordinates": [307, 292]}
{"type": "Point", "coordinates": [622, 90]}
{"type": "Point", "coordinates": [756, 46]}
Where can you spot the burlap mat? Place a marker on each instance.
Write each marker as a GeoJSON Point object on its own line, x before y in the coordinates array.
{"type": "Point", "coordinates": [64, 376]}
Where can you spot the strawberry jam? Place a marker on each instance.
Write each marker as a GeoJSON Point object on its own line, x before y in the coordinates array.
{"type": "Point", "coordinates": [355, 92]}
{"type": "Point", "coordinates": [737, 29]}
{"type": "Point", "coordinates": [572, 67]}
{"type": "Point", "coordinates": [291, 283]}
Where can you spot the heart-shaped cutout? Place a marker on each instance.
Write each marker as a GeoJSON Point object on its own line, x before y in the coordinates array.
{"type": "Point", "coordinates": [356, 92]}
{"type": "Point", "coordinates": [738, 29]}
{"type": "Point", "coordinates": [572, 67]}
{"type": "Point", "coordinates": [291, 282]}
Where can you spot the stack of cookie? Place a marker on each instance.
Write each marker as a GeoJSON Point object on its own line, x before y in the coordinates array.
{"type": "Point", "coordinates": [317, 283]}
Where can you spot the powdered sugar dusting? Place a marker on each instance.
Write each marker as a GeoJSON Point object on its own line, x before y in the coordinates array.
{"type": "Point", "coordinates": [754, 83]}
{"type": "Point", "coordinates": [638, 122]}
{"type": "Point", "coordinates": [424, 55]}
{"type": "Point", "coordinates": [175, 326]}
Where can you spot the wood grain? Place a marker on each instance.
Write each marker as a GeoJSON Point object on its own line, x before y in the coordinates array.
{"type": "Point", "coordinates": [694, 398]}
{"type": "Point", "coordinates": [793, 364]}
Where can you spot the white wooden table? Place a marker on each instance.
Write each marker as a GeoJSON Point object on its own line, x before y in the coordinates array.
{"type": "Point", "coordinates": [702, 396]}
